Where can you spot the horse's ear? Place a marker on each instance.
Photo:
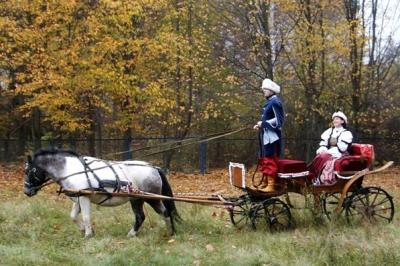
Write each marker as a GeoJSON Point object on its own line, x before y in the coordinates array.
{"type": "Point", "coordinates": [29, 159]}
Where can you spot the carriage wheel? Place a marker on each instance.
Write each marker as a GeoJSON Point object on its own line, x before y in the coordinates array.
{"type": "Point", "coordinates": [329, 203]}
{"type": "Point", "coordinates": [241, 211]}
{"type": "Point", "coordinates": [273, 214]}
{"type": "Point", "coordinates": [370, 204]}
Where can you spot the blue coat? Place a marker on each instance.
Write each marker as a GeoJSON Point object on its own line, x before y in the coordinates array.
{"type": "Point", "coordinates": [270, 133]}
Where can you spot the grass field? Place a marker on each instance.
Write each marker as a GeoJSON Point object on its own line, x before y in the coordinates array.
{"type": "Point", "coordinates": [38, 231]}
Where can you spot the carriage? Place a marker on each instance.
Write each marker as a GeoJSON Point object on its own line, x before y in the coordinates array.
{"type": "Point", "coordinates": [110, 183]}
{"type": "Point", "coordinates": [348, 195]}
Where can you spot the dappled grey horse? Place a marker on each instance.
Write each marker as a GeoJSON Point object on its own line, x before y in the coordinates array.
{"type": "Point", "coordinates": [73, 172]}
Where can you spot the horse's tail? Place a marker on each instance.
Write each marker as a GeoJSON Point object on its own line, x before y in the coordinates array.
{"type": "Point", "coordinates": [169, 204]}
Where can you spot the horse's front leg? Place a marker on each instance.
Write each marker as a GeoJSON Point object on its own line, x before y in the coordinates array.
{"type": "Point", "coordinates": [74, 216]}
{"type": "Point", "coordinates": [84, 203]}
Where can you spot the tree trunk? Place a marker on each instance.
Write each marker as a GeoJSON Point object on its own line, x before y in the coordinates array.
{"type": "Point", "coordinates": [92, 139]}
{"type": "Point", "coordinates": [310, 80]}
{"type": "Point", "coordinates": [36, 128]}
{"type": "Point", "coordinates": [356, 57]}
{"type": "Point", "coordinates": [189, 105]}
{"type": "Point", "coordinates": [99, 134]}
{"type": "Point", "coordinates": [264, 17]}
{"type": "Point", "coordinates": [126, 145]}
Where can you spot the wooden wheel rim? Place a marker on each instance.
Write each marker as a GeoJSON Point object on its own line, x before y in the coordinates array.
{"type": "Point", "coordinates": [370, 204]}
{"type": "Point", "coordinates": [273, 214]}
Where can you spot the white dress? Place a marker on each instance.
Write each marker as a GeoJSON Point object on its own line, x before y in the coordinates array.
{"type": "Point", "coordinates": [335, 141]}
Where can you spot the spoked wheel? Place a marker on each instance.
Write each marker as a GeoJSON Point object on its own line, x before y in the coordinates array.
{"type": "Point", "coordinates": [370, 204]}
{"type": "Point", "coordinates": [272, 214]}
{"type": "Point", "coordinates": [241, 212]}
{"type": "Point", "coordinates": [329, 203]}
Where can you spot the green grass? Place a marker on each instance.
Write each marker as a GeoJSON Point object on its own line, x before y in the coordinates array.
{"type": "Point", "coordinates": [38, 231]}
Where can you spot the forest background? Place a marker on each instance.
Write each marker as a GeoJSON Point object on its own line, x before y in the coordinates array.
{"type": "Point", "coordinates": [103, 77]}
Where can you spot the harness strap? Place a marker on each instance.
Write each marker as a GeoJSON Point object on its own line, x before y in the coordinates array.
{"type": "Point", "coordinates": [85, 167]}
{"type": "Point", "coordinates": [101, 187]}
{"type": "Point", "coordinates": [117, 187]}
{"type": "Point", "coordinates": [102, 167]}
{"type": "Point", "coordinates": [117, 184]}
{"type": "Point", "coordinates": [88, 169]}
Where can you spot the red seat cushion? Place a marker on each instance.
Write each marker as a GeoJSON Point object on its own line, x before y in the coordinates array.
{"type": "Point", "coordinates": [291, 166]}
{"type": "Point", "coordinates": [364, 150]}
{"type": "Point", "coordinates": [351, 163]}
{"type": "Point", "coordinates": [361, 156]}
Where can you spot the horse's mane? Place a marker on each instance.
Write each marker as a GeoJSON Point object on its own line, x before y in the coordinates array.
{"type": "Point", "coordinates": [42, 152]}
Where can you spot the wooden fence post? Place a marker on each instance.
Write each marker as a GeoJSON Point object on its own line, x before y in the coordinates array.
{"type": "Point", "coordinates": [126, 148]}
{"type": "Point", "coordinates": [203, 157]}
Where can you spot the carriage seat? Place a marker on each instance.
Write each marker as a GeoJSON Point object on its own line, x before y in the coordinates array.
{"type": "Point", "coordinates": [292, 169]}
{"type": "Point", "coordinates": [291, 166]}
{"type": "Point", "coordinates": [360, 156]}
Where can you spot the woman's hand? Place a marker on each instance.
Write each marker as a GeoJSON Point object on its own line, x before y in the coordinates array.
{"type": "Point", "coordinates": [322, 149]}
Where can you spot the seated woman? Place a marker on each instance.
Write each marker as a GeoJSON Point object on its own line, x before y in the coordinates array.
{"type": "Point", "coordinates": [334, 144]}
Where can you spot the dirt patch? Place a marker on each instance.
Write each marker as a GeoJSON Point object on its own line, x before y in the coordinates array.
{"type": "Point", "coordinates": [214, 182]}
{"type": "Point", "coordinates": [11, 177]}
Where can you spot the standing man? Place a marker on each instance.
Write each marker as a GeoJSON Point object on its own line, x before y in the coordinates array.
{"type": "Point", "coordinates": [270, 133]}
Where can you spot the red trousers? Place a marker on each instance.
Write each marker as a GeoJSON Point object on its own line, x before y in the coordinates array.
{"type": "Point", "coordinates": [268, 165]}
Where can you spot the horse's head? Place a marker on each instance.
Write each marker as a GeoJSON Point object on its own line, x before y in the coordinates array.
{"type": "Point", "coordinates": [34, 177]}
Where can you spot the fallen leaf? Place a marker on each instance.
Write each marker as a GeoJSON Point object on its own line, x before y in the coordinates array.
{"type": "Point", "coordinates": [210, 248]}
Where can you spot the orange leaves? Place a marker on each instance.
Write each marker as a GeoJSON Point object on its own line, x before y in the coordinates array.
{"type": "Point", "coordinates": [123, 61]}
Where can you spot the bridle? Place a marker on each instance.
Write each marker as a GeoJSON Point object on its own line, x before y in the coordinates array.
{"type": "Point", "coordinates": [35, 178]}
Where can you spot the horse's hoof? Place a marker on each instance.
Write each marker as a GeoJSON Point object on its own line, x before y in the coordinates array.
{"type": "Point", "coordinates": [132, 233]}
{"type": "Point", "coordinates": [89, 235]}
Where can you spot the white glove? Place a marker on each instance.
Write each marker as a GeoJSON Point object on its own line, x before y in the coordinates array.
{"type": "Point", "coordinates": [258, 125]}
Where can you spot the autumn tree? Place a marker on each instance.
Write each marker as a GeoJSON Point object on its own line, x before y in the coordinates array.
{"type": "Point", "coordinates": [177, 68]}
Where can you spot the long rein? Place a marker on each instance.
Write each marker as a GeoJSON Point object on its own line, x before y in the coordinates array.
{"type": "Point", "coordinates": [182, 143]}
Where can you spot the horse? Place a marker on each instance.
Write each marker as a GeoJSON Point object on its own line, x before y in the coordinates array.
{"type": "Point", "coordinates": [74, 172]}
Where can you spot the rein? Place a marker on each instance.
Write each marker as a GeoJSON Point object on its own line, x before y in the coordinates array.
{"type": "Point", "coordinates": [201, 140]}
{"type": "Point", "coordinates": [181, 143]}
{"type": "Point", "coordinates": [47, 182]}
